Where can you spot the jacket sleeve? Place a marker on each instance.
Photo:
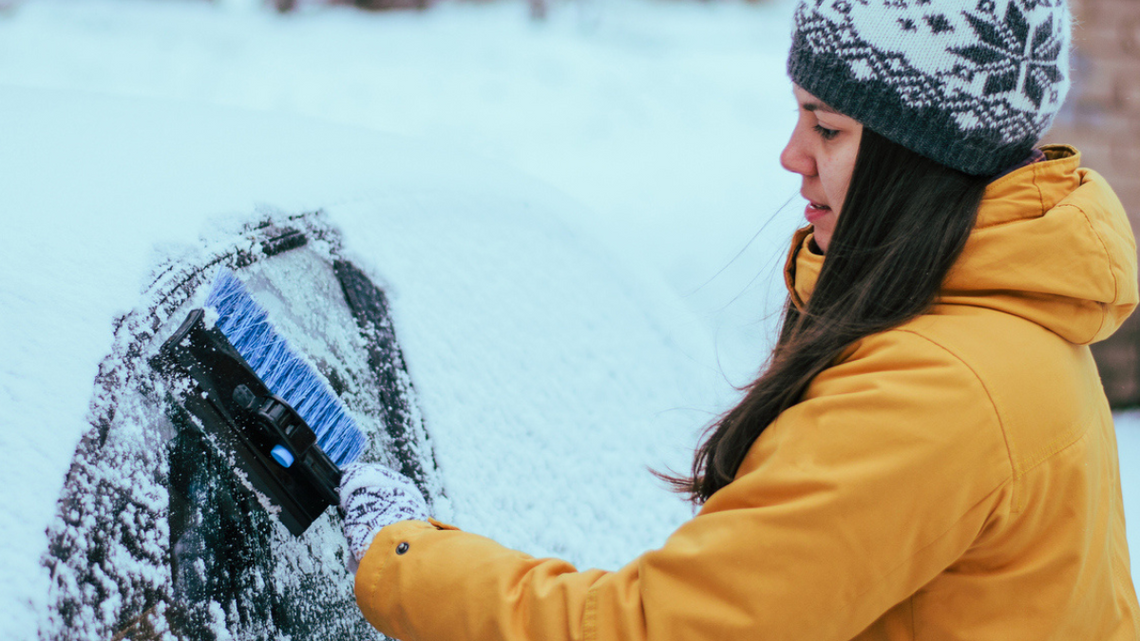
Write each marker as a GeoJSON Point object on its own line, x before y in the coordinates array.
{"type": "Point", "coordinates": [882, 477]}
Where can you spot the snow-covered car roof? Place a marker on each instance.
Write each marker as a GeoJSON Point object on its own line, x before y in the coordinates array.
{"type": "Point", "coordinates": [547, 374]}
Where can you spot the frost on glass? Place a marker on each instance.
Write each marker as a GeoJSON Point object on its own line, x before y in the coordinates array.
{"type": "Point", "coordinates": [156, 536]}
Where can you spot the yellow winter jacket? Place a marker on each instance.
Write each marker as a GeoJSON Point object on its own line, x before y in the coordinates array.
{"type": "Point", "coordinates": [953, 478]}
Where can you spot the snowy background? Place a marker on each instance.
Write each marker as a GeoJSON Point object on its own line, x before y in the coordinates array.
{"type": "Point", "coordinates": [647, 132]}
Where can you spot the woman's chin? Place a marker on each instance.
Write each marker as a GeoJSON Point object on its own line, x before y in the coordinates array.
{"type": "Point", "coordinates": [821, 238]}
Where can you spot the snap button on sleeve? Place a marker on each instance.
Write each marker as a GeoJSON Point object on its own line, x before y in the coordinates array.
{"type": "Point", "coordinates": [401, 548]}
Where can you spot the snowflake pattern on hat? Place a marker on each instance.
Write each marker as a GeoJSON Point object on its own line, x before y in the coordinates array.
{"type": "Point", "coordinates": [1011, 66]}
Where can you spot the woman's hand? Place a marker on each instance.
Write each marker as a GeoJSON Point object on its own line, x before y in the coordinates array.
{"type": "Point", "coordinates": [372, 497]}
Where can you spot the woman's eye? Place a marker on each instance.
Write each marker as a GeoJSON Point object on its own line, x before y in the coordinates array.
{"type": "Point", "coordinates": [826, 134]}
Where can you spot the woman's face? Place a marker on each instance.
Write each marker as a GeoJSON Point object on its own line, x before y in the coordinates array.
{"type": "Point", "coordinates": [822, 150]}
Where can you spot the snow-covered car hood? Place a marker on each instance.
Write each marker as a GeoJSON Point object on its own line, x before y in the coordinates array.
{"type": "Point", "coordinates": [548, 372]}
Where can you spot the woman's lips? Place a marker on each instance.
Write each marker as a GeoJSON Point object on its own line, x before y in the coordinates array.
{"type": "Point", "coordinates": [815, 211]}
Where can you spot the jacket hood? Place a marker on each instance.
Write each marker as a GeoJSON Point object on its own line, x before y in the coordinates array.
{"type": "Point", "coordinates": [1052, 244]}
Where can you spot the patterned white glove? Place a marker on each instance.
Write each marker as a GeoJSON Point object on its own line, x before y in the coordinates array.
{"type": "Point", "coordinates": [372, 497]}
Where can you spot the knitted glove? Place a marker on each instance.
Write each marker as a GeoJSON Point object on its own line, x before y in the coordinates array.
{"type": "Point", "coordinates": [373, 496]}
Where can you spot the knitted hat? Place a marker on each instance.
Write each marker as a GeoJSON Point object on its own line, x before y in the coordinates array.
{"type": "Point", "coordinates": [971, 84]}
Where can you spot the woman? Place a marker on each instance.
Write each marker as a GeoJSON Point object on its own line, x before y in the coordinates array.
{"type": "Point", "coordinates": [928, 454]}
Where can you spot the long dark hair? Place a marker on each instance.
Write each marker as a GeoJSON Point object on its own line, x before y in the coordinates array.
{"type": "Point", "coordinates": [903, 224]}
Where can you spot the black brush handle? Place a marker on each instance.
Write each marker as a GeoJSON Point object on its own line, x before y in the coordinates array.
{"type": "Point", "coordinates": [239, 409]}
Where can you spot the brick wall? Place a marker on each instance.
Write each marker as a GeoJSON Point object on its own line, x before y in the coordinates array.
{"type": "Point", "coordinates": [1102, 119]}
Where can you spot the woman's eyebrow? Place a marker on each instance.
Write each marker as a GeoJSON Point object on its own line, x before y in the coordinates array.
{"type": "Point", "coordinates": [818, 106]}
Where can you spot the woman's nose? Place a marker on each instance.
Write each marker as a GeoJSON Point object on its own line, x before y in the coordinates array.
{"type": "Point", "coordinates": [795, 158]}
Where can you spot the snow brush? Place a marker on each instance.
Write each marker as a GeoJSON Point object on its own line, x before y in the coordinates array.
{"type": "Point", "coordinates": [258, 398]}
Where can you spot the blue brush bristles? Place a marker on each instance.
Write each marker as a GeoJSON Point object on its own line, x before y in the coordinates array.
{"type": "Point", "coordinates": [247, 327]}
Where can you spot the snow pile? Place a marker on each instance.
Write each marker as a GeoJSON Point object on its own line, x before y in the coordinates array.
{"type": "Point", "coordinates": [665, 119]}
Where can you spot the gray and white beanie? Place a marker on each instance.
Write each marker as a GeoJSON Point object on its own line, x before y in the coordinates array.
{"type": "Point", "coordinates": [971, 84]}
